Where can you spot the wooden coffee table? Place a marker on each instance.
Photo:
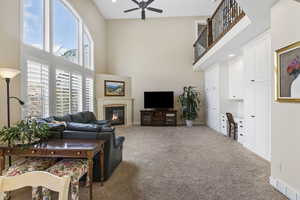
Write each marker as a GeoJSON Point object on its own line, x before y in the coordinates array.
{"type": "Point", "coordinates": [60, 148]}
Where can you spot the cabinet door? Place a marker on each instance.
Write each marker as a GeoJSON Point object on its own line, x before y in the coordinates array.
{"type": "Point", "coordinates": [236, 79]}
{"type": "Point", "coordinates": [263, 59]}
{"type": "Point", "coordinates": [249, 63]}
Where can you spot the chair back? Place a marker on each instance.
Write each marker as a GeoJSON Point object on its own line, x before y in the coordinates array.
{"type": "Point", "coordinates": [36, 179]}
{"type": "Point", "coordinates": [230, 118]}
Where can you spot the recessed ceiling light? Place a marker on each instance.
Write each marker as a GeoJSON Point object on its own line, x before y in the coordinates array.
{"type": "Point", "coordinates": [231, 55]}
{"type": "Point", "coordinates": [114, 1]}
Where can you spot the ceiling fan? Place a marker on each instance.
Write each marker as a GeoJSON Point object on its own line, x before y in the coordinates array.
{"type": "Point", "coordinates": [144, 5]}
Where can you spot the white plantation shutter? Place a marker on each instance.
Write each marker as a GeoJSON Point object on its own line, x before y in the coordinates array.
{"type": "Point", "coordinates": [37, 89]}
{"type": "Point", "coordinates": [63, 93]}
{"type": "Point", "coordinates": [76, 93]}
{"type": "Point", "coordinates": [89, 94]}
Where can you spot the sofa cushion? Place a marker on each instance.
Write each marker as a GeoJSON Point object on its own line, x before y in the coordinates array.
{"type": "Point", "coordinates": [89, 116]}
{"type": "Point", "coordinates": [101, 122]}
{"type": "Point", "coordinates": [74, 126]}
{"type": "Point", "coordinates": [65, 118]}
{"type": "Point", "coordinates": [78, 118]}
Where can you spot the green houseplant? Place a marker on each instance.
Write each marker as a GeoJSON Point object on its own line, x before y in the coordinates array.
{"type": "Point", "coordinates": [189, 101]}
{"type": "Point", "coordinates": [24, 132]}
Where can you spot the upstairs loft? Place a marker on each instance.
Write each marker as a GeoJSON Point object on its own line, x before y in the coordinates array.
{"type": "Point", "coordinates": [229, 29]}
{"type": "Point", "coordinates": [226, 16]}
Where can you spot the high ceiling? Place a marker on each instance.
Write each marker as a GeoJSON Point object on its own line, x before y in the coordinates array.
{"type": "Point", "coordinates": [172, 8]}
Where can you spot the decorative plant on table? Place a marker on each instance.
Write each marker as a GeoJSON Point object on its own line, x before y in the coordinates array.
{"type": "Point", "coordinates": [25, 132]}
{"type": "Point", "coordinates": [189, 101]}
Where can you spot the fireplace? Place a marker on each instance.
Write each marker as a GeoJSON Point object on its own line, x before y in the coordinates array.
{"type": "Point", "coordinates": [115, 114]}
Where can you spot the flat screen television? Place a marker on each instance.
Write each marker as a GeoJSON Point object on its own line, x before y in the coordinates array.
{"type": "Point", "coordinates": [159, 100]}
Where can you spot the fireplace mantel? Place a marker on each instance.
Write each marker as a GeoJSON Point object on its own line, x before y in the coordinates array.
{"type": "Point", "coordinates": [116, 101]}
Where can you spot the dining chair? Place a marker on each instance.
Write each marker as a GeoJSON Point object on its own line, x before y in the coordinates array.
{"type": "Point", "coordinates": [232, 126]}
{"type": "Point", "coordinates": [36, 179]}
{"type": "Point", "coordinates": [27, 164]}
{"type": "Point", "coordinates": [73, 168]}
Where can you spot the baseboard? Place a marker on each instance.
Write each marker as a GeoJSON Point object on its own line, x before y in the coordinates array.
{"type": "Point", "coordinates": [285, 189]}
{"type": "Point", "coordinates": [179, 124]}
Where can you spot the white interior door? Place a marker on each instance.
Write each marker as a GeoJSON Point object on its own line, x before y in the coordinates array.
{"type": "Point", "coordinates": [262, 120]}
{"type": "Point", "coordinates": [212, 98]}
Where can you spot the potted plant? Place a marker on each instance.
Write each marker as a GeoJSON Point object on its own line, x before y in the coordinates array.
{"type": "Point", "coordinates": [25, 132]}
{"type": "Point", "coordinates": [189, 101]}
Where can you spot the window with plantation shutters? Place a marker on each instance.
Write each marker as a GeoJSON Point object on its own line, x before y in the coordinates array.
{"type": "Point", "coordinates": [37, 89]}
{"type": "Point", "coordinates": [63, 92]}
{"type": "Point", "coordinates": [52, 30]}
{"type": "Point", "coordinates": [76, 105]}
{"type": "Point", "coordinates": [89, 94]}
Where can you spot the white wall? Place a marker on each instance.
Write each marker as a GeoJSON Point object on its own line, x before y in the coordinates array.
{"type": "Point", "coordinates": [285, 150]}
{"type": "Point", "coordinates": [156, 53]}
{"type": "Point", "coordinates": [10, 44]}
{"type": "Point", "coordinates": [9, 54]}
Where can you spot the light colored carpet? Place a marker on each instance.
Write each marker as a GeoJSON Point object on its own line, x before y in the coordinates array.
{"type": "Point", "coordinates": [183, 164]}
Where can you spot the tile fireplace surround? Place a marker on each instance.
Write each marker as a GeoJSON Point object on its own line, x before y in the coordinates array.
{"type": "Point", "coordinates": [116, 102]}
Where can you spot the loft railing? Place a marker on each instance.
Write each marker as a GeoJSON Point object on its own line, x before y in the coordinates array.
{"type": "Point", "coordinates": [227, 15]}
{"type": "Point", "coordinates": [201, 44]}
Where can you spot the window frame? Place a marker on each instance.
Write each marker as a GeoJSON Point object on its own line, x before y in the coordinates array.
{"type": "Point", "coordinates": [46, 56]}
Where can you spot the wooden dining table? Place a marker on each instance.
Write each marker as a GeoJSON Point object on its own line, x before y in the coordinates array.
{"type": "Point", "coordinates": [60, 148]}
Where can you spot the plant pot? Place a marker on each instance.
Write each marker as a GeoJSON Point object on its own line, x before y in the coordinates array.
{"type": "Point", "coordinates": [189, 123]}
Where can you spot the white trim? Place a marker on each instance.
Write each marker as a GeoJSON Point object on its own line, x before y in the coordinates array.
{"type": "Point", "coordinates": [284, 188]}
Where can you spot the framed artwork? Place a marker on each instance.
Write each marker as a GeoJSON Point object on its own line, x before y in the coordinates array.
{"type": "Point", "coordinates": [114, 88]}
{"type": "Point", "coordinates": [287, 73]}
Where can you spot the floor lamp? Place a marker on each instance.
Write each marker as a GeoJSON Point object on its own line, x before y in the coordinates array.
{"type": "Point", "coordinates": [8, 74]}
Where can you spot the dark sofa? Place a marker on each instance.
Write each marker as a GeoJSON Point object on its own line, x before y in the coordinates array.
{"type": "Point", "coordinates": [84, 125]}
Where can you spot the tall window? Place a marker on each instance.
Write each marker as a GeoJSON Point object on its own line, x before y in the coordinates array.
{"type": "Point", "coordinates": [52, 31]}
{"type": "Point", "coordinates": [63, 92]}
{"type": "Point", "coordinates": [38, 89]}
{"type": "Point", "coordinates": [87, 51]}
{"type": "Point", "coordinates": [76, 84]}
{"type": "Point", "coordinates": [33, 23]}
{"type": "Point", "coordinates": [65, 32]}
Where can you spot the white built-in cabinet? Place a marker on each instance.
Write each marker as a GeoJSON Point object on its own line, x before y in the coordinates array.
{"type": "Point", "coordinates": [257, 101]}
{"type": "Point", "coordinates": [249, 79]}
{"type": "Point", "coordinates": [236, 79]}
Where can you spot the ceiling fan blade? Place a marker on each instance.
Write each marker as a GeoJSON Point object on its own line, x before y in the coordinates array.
{"type": "Point", "coordinates": [135, 1]}
{"type": "Point", "coordinates": [149, 2]}
{"type": "Point", "coordinates": [143, 14]}
{"type": "Point", "coordinates": [130, 10]}
{"type": "Point", "coordinates": [155, 10]}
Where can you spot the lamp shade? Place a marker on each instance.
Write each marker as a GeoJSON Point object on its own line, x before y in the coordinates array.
{"type": "Point", "coordinates": [9, 73]}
